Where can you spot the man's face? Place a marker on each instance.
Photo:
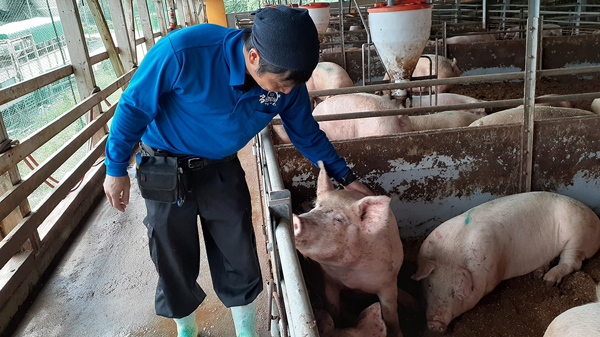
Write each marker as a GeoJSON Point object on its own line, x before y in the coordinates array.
{"type": "Point", "coordinates": [267, 81]}
{"type": "Point", "coordinates": [273, 82]}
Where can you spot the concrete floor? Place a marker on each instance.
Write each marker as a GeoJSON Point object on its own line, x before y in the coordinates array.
{"type": "Point", "coordinates": [104, 284]}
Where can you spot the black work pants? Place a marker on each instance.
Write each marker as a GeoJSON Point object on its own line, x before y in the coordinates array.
{"type": "Point", "coordinates": [218, 193]}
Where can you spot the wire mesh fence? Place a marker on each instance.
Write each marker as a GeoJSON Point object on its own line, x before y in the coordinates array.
{"type": "Point", "coordinates": [32, 42]}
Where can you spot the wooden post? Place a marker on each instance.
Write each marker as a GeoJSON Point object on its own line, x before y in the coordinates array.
{"type": "Point", "coordinates": [7, 181]}
{"type": "Point", "coordinates": [123, 42]}
{"type": "Point", "coordinates": [80, 58]}
{"type": "Point", "coordinates": [146, 24]}
{"type": "Point", "coordinates": [109, 44]}
{"type": "Point", "coordinates": [161, 16]}
{"type": "Point", "coordinates": [181, 13]}
{"type": "Point", "coordinates": [130, 22]}
{"type": "Point", "coordinates": [202, 12]}
{"type": "Point", "coordinates": [193, 12]}
{"type": "Point", "coordinates": [189, 21]}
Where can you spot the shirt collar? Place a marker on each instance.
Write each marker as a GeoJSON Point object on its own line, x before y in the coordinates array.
{"type": "Point", "coordinates": [235, 57]}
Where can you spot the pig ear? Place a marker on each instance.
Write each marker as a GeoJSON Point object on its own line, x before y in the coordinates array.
{"type": "Point", "coordinates": [463, 284]}
{"type": "Point", "coordinates": [324, 183]}
{"type": "Point", "coordinates": [425, 268]}
{"type": "Point", "coordinates": [373, 211]}
{"type": "Point", "coordinates": [297, 225]}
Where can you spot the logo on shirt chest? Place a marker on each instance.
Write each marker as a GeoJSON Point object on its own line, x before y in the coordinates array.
{"type": "Point", "coordinates": [270, 98]}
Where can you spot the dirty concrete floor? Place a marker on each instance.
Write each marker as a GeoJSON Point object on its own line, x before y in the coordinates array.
{"type": "Point", "coordinates": [104, 284]}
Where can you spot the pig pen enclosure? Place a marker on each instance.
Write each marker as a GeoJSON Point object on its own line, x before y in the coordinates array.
{"type": "Point", "coordinates": [432, 176]}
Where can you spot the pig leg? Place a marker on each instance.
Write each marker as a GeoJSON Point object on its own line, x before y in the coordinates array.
{"type": "Point", "coordinates": [541, 271]}
{"type": "Point", "coordinates": [570, 261]}
{"type": "Point", "coordinates": [407, 301]}
{"type": "Point", "coordinates": [332, 294]}
{"type": "Point", "coordinates": [389, 310]}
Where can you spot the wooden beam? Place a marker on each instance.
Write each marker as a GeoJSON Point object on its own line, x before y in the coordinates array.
{"type": "Point", "coordinates": [23, 88]}
{"type": "Point", "coordinates": [28, 268]}
{"type": "Point", "coordinates": [11, 157]}
{"type": "Point", "coordinates": [161, 16]}
{"type": "Point", "coordinates": [7, 181]}
{"type": "Point", "coordinates": [107, 39]}
{"type": "Point", "coordinates": [20, 191]}
{"type": "Point", "coordinates": [14, 217]}
{"type": "Point", "coordinates": [130, 21]}
{"type": "Point", "coordinates": [123, 42]}
{"type": "Point", "coordinates": [78, 51]}
{"type": "Point", "coordinates": [97, 58]}
{"type": "Point", "coordinates": [13, 242]}
{"type": "Point", "coordinates": [146, 24]}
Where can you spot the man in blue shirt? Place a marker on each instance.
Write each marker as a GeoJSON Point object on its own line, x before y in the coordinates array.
{"type": "Point", "coordinates": [199, 96]}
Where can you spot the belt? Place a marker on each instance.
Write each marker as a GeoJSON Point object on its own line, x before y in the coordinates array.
{"type": "Point", "coordinates": [196, 163]}
{"type": "Point", "coordinates": [186, 161]}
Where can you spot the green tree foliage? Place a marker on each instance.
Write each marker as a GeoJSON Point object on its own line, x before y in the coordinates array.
{"type": "Point", "coordinates": [237, 6]}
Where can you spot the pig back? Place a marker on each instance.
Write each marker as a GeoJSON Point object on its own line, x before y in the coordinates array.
{"type": "Point", "coordinates": [596, 106]}
{"type": "Point", "coordinates": [362, 127]}
{"type": "Point", "coordinates": [513, 235]}
{"type": "Point", "coordinates": [581, 321]}
{"type": "Point", "coordinates": [515, 115]}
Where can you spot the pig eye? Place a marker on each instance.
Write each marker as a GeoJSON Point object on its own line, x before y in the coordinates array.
{"type": "Point", "coordinates": [452, 293]}
{"type": "Point", "coordinates": [338, 220]}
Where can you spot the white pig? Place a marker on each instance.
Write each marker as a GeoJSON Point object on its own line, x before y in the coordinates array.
{"type": "Point", "coordinates": [355, 240]}
{"type": "Point", "coordinates": [354, 128]}
{"type": "Point", "coordinates": [467, 256]}
{"type": "Point", "coordinates": [596, 106]}
{"type": "Point", "coordinates": [361, 127]}
{"type": "Point", "coordinates": [443, 120]}
{"type": "Point", "coordinates": [551, 29]}
{"type": "Point", "coordinates": [446, 99]}
{"type": "Point", "coordinates": [370, 324]}
{"type": "Point", "coordinates": [515, 115]}
{"type": "Point", "coordinates": [581, 321]}
{"type": "Point", "coordinates": [466, 39]}
{"type": "Point", "coordinates": [447, 69]}
{"type": "Point", "coordinates": [327, 75]}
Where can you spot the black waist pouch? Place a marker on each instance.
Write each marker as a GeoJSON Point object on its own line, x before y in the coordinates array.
{"type": "Point", "coordinates": [158, 178]}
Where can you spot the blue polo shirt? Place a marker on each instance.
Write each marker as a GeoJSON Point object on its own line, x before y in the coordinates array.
{"type": "Point", "coordinates": [187, 97]}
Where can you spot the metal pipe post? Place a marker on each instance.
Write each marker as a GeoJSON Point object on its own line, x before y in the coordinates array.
{"type": "Point", "coordinates": [529, 95]}
{"type": "Point", "coordinates": [342, 38]}
{"type": "Point", "coordinates": [301, 313]}
{"type": "Point", "coordinates": [485, 15]}
{"type": "Point", "coordinates": [274, 174]}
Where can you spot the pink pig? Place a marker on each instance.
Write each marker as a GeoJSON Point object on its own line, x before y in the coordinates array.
{"type": "Point", "coordinates": [467, 256]}
{"type": "Point", "coordinates": [355, 240]}
{"type": "Point", "coordinates": [370, 324]}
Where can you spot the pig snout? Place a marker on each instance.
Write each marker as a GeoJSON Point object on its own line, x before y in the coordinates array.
{"type": "Point", "coordinates": [437, 326]}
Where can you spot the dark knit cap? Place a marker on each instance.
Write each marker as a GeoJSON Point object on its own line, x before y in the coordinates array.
{"type": "Point", "coordinates": [286, 37]}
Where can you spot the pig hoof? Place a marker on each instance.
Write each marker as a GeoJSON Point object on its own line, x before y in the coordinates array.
{"type": "Point", "coordinates": [552, 279]}
{"type": "Point", "coordinates": [541, 271]}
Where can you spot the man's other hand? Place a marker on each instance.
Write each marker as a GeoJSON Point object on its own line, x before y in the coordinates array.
{"type": "Point", "coordinates": [117, 191]}
{"type": "Point", "coordinates": [359, 187]}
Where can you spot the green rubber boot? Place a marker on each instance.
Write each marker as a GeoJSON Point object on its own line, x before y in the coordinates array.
{"type": "Point", "coordinates": [186, 326]}
{"type": "Point", "coordinates": [243, 318]}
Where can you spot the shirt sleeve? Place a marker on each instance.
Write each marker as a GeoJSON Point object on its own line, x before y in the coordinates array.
{"type": "Point", "coordinates": [138, 105]}
{"type": "Point", "coordinates": [307, 137]}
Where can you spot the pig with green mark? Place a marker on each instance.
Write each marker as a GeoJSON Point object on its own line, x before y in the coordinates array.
{"type": "Point", "coordinates": [467, 256]}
